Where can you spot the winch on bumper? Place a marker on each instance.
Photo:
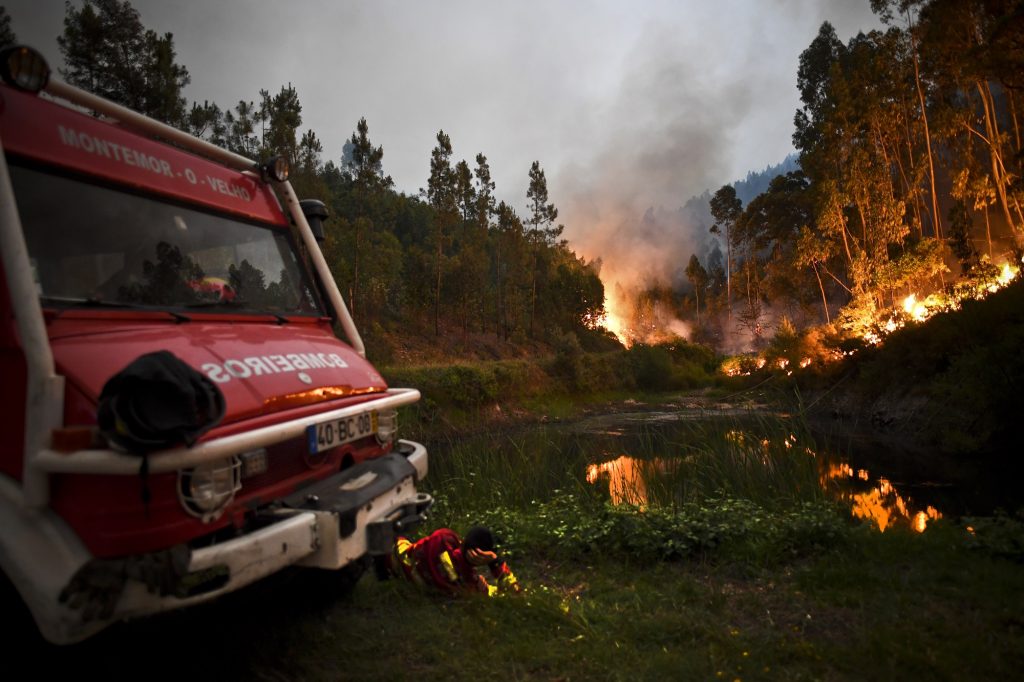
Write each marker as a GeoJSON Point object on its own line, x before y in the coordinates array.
{"type": "Point", "coordinates": [359, 511]}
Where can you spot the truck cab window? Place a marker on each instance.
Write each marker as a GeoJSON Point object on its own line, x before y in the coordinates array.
{"type": "Point", "coordinates": [100, 246]}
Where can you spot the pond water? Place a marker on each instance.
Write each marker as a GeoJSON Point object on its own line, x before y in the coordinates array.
{"type": "Point", "coordinates": [883, 485]}
{"type": "Point", "coordinates": [683, 455]}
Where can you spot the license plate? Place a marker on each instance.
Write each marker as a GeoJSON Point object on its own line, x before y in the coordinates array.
{"type": "Point", "coordinates": [335, 432]}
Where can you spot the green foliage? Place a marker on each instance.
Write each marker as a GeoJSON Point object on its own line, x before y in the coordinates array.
{"type": "Point", "coordinates": [923, 260]}
{"type": "Point", "coordinates": [573, 525]}
{"type": "Point", "coordinates": [7, 36]}
{"type": "Point", "coordinates": [785, 342]}
{"type": "Point", "coordinates": [1001, 534]}
{"type": "Point", "coordinates": [652, 366]}
{"type": "Point", "coordinates": [568, 362]}
{"type": "Point", "coordinates": [471, 386]}
{"type": "Point", "coordinates": [672, 365]}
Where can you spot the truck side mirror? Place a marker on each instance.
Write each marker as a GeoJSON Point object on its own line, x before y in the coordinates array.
{"type": "Point", "coordinates": [316, 213]}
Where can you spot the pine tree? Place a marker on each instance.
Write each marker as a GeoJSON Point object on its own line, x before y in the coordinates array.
{"type": "Point", "coordinates": [108, 52]}
{"type": "Point", "coordinates": [7, 36]}
{"type": "Point", "coordinates": [441, 193]}
{"type": "Point", "coordinates": [726, 208]}
{"type": "Point", "coordinates": [698, 277]}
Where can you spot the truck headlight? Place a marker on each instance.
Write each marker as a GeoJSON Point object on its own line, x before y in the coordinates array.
{"type": "Point", "coordinates": [387, 426]}
{"type": "Point", "coordinates": [206, 490]}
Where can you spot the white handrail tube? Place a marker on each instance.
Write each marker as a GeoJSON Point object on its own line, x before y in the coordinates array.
{"type": "Point", "coordinates": [44, 393]}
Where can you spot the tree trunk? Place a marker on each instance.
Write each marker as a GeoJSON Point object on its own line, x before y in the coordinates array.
{"type": "Point", "coordinates": [728, 271]}
{"type": "Point", "coordinates": [988, 231]}
{"type": "Point", "coordinates": [927, 133]}
{"type": "Point", "coordinates": [437, 291]}
{"type": "Point", "coordinates": [824, 301]}
{"type": "Point", "coordinates": [1013, 116]}
{"type": "Point", "coordinates": [992, 132]}
{"type": "Point", "coordinates": [910, 158]}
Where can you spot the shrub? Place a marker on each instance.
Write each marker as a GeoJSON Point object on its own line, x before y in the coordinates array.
{"type": "Point", "coordinates": [652, 366]}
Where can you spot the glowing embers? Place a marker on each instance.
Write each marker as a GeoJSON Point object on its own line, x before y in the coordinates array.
{"type": "Point", "coordinates": [881, 504]}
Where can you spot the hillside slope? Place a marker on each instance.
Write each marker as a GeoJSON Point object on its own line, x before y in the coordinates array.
{"type": "Point", "coordinates": [954, 384]}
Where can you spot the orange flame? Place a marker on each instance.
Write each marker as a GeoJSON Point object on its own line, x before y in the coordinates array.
{"type": "Point", "coordinates": [882, 505]}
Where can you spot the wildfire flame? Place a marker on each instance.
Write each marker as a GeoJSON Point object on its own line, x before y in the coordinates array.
{"type": "Point", "coordinates": [616, 325]}
{"type": "Point", "coordinates": [915, 310]}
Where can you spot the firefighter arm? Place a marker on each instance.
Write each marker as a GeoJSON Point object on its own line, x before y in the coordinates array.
{"type": "Point", "coordinates": [403, 558]}
{"type": "Point", "coordinates": [506, 580]}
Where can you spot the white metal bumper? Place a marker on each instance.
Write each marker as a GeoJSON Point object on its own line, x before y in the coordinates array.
{"type": "Point", "coordinates": [313, 538]}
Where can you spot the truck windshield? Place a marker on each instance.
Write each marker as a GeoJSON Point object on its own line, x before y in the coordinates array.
{"type": "Point", "coordinates": [90, 245]}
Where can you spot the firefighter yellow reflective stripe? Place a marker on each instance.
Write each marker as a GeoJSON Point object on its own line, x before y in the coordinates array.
{"type": "Point", "coordinates": [445, 560]}
{"type": "Point", "coordinates": [404, 558]}
{"type": "Point", "coordinates": [507, 582]}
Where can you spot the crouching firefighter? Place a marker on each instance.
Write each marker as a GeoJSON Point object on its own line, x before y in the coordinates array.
{"type": "Point", "coordinates": [449, 563]}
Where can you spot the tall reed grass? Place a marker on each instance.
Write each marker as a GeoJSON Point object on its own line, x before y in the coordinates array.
{"type": "Point", "coordinates": [768, 460]}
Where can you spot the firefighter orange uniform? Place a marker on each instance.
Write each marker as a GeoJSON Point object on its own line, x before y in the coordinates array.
{"type": "Point", "coordinates": [445, 561]}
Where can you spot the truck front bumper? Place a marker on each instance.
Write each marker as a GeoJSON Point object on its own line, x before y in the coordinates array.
{"type": "Point", "coordinates": [328, 525]}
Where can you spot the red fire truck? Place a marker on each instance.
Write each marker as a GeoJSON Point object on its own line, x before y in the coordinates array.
{"type": "Point", "coordinates": [123, 236]}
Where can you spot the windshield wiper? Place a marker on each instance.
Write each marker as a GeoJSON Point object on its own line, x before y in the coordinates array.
{"type": "Point", "coordinates": [92, 302]}
{"type": "Point", "coordinates": [279, 318]}
{"type": "Point", "coordinates": [89, 302]}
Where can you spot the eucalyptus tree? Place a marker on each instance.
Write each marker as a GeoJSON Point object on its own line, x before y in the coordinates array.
{"type": "Point", "coordinates": [970, 53]}
{"type": "Point", "coordinates": [844, 136]}
{"type": "Point", "coordinates": [770, 228]}
{"type": "Point", "coordinates": [910, 10]}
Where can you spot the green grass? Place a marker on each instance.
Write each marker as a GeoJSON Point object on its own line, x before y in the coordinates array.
{"type": "Point", "coordinates": [869, 606]}
{"type": "Point", "coordinates": [737, 567]}
{"type": "Point", "coordinates": [757, 458]}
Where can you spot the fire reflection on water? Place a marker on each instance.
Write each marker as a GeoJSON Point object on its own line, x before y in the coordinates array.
{"type": "Point", "coordinates": [625, 480]}
{"type": "Point", "coordinates": [881, 504]}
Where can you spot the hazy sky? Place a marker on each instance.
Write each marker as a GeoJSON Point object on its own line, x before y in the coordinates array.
{"type": "Point", "coordinates": [625, 104]}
